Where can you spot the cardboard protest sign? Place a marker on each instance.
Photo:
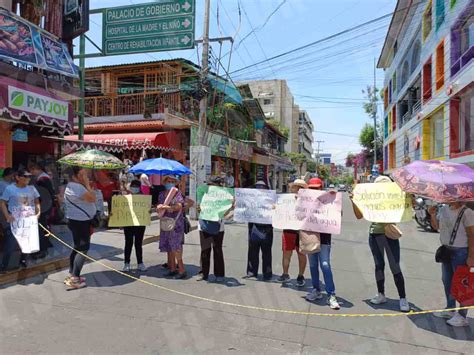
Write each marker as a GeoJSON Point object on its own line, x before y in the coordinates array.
{"type": "Point", "coordinates": [284, 215]}
{"type": "Point", "coordinates": [215, 202]}
{"type": "Point", "coordinates": [319, 211]}
{"type": "Point", "coordinates": [130, 210]}
{"type": "Point", "coordinates": [254, 205]}
{"type": "Point", "coordinates": [383, 202]}
{"type": "Point", "coordinates": [25, 231]}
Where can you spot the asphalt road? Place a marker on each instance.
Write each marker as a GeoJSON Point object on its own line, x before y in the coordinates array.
{"type": "Point", "coordinates": [115, 314]}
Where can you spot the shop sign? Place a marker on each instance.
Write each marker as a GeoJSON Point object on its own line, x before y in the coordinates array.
{"type": "Point", "coordinates": [23, 100]}
{"type": "Point", "coordinates": [75, 18]}
{"type": "Point", "coordinates": [23, 42]}
{"type": "Point", "coordinates": [20, 135]}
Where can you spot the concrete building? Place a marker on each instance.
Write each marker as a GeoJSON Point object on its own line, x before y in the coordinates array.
{"type": "Point", "coordinates": [278, 104]}
{"type": "Point", "coordinates": [325, 158]}
{"type": "Point", "coordinates": [428, 91]}
{"type": "Point", "coordinates": [305, 134]}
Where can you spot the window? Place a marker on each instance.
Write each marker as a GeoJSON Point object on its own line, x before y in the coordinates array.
{"type": "Point", "coordinates": [427, 81]}
{"type": "Point", "coordinates": [437, 135]}
{"type": "Point", "coordinates": [267, 101]}
{"type": "Point", "coordinates": [440, 66]}
{"type": "Point", "coordinates": [467, 34]}
{"type": "Point", "coordinates": [394, 83]}
{"type": "Point", "coordinates": [405, 73]}
{"type": "Point", "coordinates": [385, 98]}
{"type": "Point", "coordinates": [427, 20]}
{"type": "Point", "coordinates": [385, 127]}
{"type": "Point", "coordinates": [440, 12]}
{"type": "Point", "coordinates": [466, 127]}
{"type": "Point", "coordinates": [390, 91]}
{"type": "Point", "coordinates": [385, 158]}
{"type": "Point", "coordinates": [390, 122]}
{"type": "Point", "coordinates": [391, 155]}
{"type": "Point", "coordinates": [415, 56]}
{"type": "Point", "coordinates": [394, 117]}
{"type": "Point", "coordinates": [462, 40]}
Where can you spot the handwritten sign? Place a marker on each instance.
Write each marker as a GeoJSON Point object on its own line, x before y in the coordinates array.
{"type": "Point", "coordinates": [215, 202]}
{"type": "Point", "coordinates": [254, 205]}
{"type": "Point", "coordinates": [25, 231]}
{"type": "Point", "coordinates": [319, 211]}
{"type": "Point", "coordinates": [284, 215]}
{"type": "Point", "coordinates": [130, 210]}
{"type": "Point", "coordinates": [383, 202]}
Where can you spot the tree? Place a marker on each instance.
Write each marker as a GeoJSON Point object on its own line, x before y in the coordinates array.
{"type": "Point", "coordinates": [373, 96]}
{"type": "Point", "coordinates": [366, 140]}
{"type": "Point", "coordinates": [297, 159]}
{"type": "Point", "coordinates": [350, 160]}
{"type": "Point", "coordinates": [324, 172]}
{"type": "Point", "coordinates": [311, 166]}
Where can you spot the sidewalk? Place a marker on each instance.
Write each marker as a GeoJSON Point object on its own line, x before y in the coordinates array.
{"type": "Point", "coordinates": [104, 243]}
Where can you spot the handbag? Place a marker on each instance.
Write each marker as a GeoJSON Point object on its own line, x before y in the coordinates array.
{"type": "Point", "coordinates": [310, 242]}
{"type": "Point", "coordinates": [187, 225]}
{"type": "Point", "coordinates": [462, 285]}
{"type": "Point", "coordinates": [392, 231]}
{"type": "Point", "coordinates": [210, 227]}
{"type": "Point", "coordinates": [443, 254]}
{"type": "Point", "coordinates": [96, 220]}
{"type": "Point", "coordinates": [167, 224]}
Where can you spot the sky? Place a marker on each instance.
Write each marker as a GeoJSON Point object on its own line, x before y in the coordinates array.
{"type": "Point", "coordinates": [326, 79]}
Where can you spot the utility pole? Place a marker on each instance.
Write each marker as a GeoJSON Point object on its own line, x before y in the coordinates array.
{"type": "Point", "coordinates": [203, 74]}
{"type": "Point", "coordinates": [82, 84]}
{"type": "Point", "coordinates": [374, 114]}
{"type": "Point", "coordinates": [317, 153]}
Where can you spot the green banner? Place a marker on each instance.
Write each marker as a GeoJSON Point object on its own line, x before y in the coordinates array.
{"type": "Point", "coordinates": [214, 202]}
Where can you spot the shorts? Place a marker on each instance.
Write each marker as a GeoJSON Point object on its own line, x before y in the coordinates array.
{"type": "Point", "coordinates": [290, 240]}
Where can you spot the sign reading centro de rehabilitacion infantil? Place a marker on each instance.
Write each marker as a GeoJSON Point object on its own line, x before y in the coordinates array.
{"type": "Point", "coordinates": [150, 27]}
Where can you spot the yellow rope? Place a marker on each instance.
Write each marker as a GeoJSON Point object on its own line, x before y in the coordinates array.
{"type": "Point", "coordinates": [256, 308]}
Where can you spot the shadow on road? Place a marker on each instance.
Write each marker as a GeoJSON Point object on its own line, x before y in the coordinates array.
{"type": "Point", "coordinates": [391, 305]}
{"type": "Point", "coordinates": [438, 325]}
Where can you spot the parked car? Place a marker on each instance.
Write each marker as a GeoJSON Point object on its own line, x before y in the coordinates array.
{"type": "Point", "coordinates": [342, 188]}
{"type": "Point", "coordinates": [332, 186]}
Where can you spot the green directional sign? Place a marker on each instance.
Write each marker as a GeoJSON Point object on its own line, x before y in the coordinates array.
{"type": "Point", "coordinates": [149, 27]}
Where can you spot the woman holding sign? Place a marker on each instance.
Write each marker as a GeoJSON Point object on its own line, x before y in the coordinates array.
{"type": "Point", "coordinates": [380, 245]}
{"type": "Point", "coordinates": [170, 210]}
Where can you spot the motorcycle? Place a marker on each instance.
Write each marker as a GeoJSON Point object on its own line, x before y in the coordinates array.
{"type": "Point", "coordinates": [422, 217]}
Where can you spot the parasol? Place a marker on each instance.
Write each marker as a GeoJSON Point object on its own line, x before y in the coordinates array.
{"type": "Point", "coordinates": [92, 159]}
{"type": "Point", "coordinates": [443, 182]}
{"type": "Point", "coordinates": [160, 166]}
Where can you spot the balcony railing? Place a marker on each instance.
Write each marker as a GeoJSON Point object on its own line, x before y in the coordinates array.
{"type": "Point", "coordinates": [131, 104]}
{"type": "Point", "coordinates": [416, 107]}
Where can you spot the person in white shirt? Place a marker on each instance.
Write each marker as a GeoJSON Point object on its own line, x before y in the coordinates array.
{"type": "Point", "coordinates": [229, 180]}
{"type": "Point", "coordinates": [459, 245]}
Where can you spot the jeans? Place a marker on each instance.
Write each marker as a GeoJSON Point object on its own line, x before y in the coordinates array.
{"type": "Point", "coordinates": [381, 245]}
{"type": "Point", "coordinates": [323, 259]}
{"type": "Point", "coordinates": [265, 245]}
{"type": "Point", "coordinates": [214, 243]}
{"type": "Point", "coordinates": [134, 234]}
{"type": "Point", "coordinates": [459, 257]}
{"type": "Point", "coordinates": [81, 234]}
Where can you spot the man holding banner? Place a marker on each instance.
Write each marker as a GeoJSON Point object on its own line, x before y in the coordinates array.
{"type": "Point", "coordinates": [20, 206]}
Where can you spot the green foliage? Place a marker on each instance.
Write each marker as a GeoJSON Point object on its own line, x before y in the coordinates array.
{"type": "Point", "coordinates": [311, 166]}
{"type": "Point", "coordinates": [373, 95]}
{"type": "Point", "coordinates": [283, 129]}
{"type": "Point", "coordinates": [324, 172]}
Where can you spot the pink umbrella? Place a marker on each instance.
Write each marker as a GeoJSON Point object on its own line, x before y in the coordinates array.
{"type": "Point", "coordinates": [440, 181]}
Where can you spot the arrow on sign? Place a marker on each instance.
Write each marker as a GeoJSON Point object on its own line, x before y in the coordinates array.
{"type": "Point", "coordinates": [186, 23]}
{"type": "Point", "coordinates": [186, 6]}
{"type": "Point", "coordinates": [185, 40]}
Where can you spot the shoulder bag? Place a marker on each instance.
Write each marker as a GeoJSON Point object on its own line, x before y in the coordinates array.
{"type": "Point", "coordinates": [210, 227]}
{"type": "Point", "coordinates": [310, 242]}
{"type": "Point", "coordinates": [392, 231]}
{"type": "Point", "coordinates": [443, 254]}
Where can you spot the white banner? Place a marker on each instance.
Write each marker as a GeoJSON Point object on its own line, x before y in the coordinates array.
{"type": "Point", "coordinates": [254, 205]}
{"type": "Point", "coordinates": [25, 231]}
{"type": "Point", "coordinates": [284, 215]}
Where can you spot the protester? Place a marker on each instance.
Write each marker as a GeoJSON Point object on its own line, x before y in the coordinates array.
{"type": "Point", "coordinates": [211, 235]}
{"type": "Point", "coordinates": [260, 239]}
{"type": "Point", "coordinates": [156, 187]}
{"type": "Point", "coordinates": [80, 200]}
{"type": "Point", "coordinates": [8, 177]}
{"type": "Point", "coordinates": [19, 200]}
{"type": "Point", "coordinates": [380, 245]}
{"type": "Point", "coordinates": [322, 259]}
{"type": "Point", "coordinates": [171, 242]}
{"type": "Point", "coordinates": [456, 224]}
{"type": "Point", "coordinates": [134, 234]}
{"type": "Point", "coordinates": [290, 242]}
{"type": "Point", "coordinates": [44, 185]}
{"type": "Point", "coordinates": [145, 184]}
{"type": "Point", "coordinates": [229, 180]}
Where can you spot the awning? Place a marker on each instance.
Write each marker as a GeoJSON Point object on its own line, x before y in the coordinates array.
{"type": "Point", "coordinates": [73, 145]}
{"type": "Point", "coordinates": [261, 159]}
{"type": "Point", "coordinates": [146, 140]}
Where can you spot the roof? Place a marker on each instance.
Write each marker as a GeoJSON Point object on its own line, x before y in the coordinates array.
{"type": "Point", "coordinates": [182, 60]}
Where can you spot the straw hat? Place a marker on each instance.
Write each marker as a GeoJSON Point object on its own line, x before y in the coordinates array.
{"type": "Point", "coordinates": [176, 178]}
{"type": "Point", "coordinates": [299, 182]}
{"type": "Point", "coordinates": [382, 178]}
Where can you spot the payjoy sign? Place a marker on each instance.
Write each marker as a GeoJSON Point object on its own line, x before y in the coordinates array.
{"type": "Point", "coordinates": [28, 101]}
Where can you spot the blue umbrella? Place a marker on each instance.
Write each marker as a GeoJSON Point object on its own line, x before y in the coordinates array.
{"type": "Point", "coordinates": [160, 166]}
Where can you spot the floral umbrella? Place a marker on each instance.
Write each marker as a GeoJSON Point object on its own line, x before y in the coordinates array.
{"type": "Point", "coordinates": [92, 159]}
{"type": "Point", "coordinates": [440, 181]}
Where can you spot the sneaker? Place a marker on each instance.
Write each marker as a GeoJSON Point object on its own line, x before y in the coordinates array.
{"type": "Point", "coordinates": [314, 295]}
{"type": "Point", "coordinates": [164, 266]}
{"type": "Point", "coordinates": [126, 267]}
{"type": "Point", "coordinates": [181, 276]}
{"type": "Point", "coordinates": [332, 302]}
{"type": "Point", "coordinates": [284, 278]}
{"type": "Point", "coordinates": [379, 299]}
{"type": "Point", "coordinates": [141, 267]}
{"type": "Point", "coordinates": [171, 273]}
{"type": "Point", "coordinates": [458, 321]}
{"type": "Point", "coordinates": [201, 278]}
{"type": "Point", "coordinates": [300, 281]}
{"type": "Point", "coordinates": [219, 279]}
{"type": "Point", "coordinates": [404, 306]}
{"type": "Point", "coordinates": [444, 314]}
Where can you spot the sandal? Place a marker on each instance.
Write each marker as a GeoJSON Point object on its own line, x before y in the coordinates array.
{"type": "Point", "coordinates": [75, 283]}
{"type": "Point", "coordinates": [171, 273]}
{"type": "Point", "coordinates": [181, 276]}
{"type": "Point", "coordinates": [82, 279]}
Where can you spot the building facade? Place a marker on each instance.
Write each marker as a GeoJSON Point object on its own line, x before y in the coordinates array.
{"type": "Point", "coordinates": [305, 134]}
{"type": "Point", "coordinates": [428, 91]}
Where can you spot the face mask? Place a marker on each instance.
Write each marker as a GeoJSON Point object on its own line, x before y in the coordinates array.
{"type": "Point", "coordinates": [169, 186]}
{"type": "Point", "coordinates": [135, 190]}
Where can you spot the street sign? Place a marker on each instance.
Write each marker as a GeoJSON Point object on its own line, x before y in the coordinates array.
{"type": "Point", "coordinates": [149, 27]}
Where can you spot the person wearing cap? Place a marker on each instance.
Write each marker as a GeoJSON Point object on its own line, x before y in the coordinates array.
{"type": "Point", "coordinates": [380, 245]}
{"type": "Point", "coordinates": [260, 238]}
{"type": "Point", "coordinates": [322, 259]}
{"type": "Point", "coordinates": [171, 242]}
{"type": "Point", "coordinates": [290, 242]}
{"type": "Point", "coordinates": [19, 200]}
